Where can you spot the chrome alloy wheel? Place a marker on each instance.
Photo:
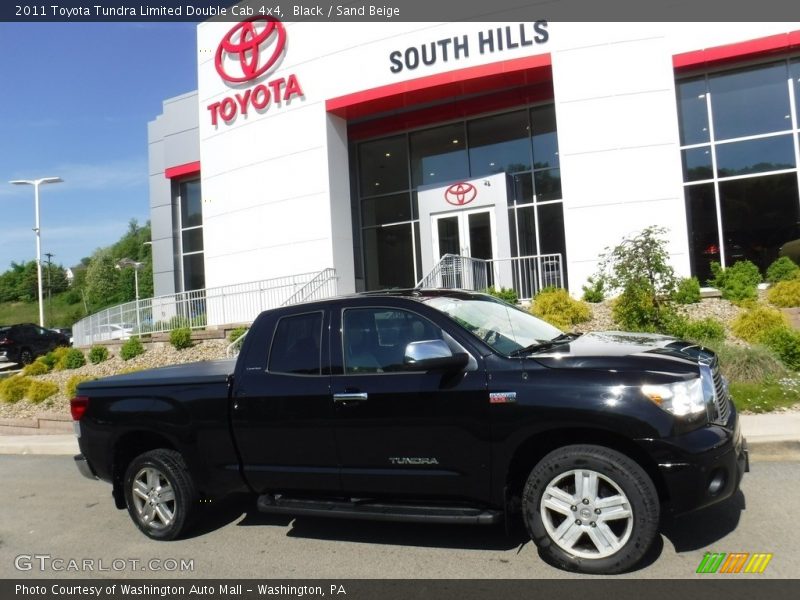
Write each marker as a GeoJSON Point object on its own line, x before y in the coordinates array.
{"type": "Point", "coordinates": [586, 514]}
{"type": "Point", "coordinates": [153, 498]}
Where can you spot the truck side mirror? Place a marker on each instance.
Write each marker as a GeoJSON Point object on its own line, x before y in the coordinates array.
{"type": "Point", "coordinates": [430, 355]}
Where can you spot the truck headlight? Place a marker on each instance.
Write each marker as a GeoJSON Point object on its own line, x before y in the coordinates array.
{"type": "Point", "coordinates": [682, 398]}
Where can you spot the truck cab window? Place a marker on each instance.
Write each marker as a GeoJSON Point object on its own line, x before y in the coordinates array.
{"type": "Point", "coordinates": [296, 345]}
{"type": "Point", "coordinates": [375, 339]}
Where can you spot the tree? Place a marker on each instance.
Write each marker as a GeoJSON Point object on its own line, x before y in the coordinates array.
{"type": "Point", "coordinates": [102, 280]}
{"type": "Point", "coordinates": [640, 269]}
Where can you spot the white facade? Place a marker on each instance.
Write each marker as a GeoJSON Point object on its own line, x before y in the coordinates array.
{"type": "Point", "coordinates": [276, 183]}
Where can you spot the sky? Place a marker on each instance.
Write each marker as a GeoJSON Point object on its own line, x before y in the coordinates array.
{"type": "Point", "coordinates": [75, 100]}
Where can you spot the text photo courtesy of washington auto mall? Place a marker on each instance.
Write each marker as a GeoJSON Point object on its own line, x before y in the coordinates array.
{"type": "Point", "coordinates": [438, 300]}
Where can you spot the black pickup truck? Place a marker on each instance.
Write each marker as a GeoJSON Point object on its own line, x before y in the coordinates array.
{"type": "Point", "coordinates": [421, 405]}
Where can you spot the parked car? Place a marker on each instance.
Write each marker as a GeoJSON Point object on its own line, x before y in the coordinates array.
{"type": "Point", "coordinates": [438, 406]}
{"type": "Point", "coordinates": [66, 332]}
{"type": "Point", "coordinates": [791, 250]}
{"type": "Point", "coordinates": [114, 331]}
{"type": "Point", "coordinates": [22, 343]}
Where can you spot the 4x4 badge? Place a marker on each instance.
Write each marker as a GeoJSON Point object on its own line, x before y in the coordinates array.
{"type": "Point", "coordinates": [502, 397]}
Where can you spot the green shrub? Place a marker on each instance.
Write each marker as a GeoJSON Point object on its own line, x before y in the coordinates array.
{"type": "Point", "coordinates": [637, 309]}
{"type": "Point", "coordinates": [555, 306]}
{"type": "Point", "coordinates": [738, 282]}
{"type": "Point", "coordinates": [49, 360]}
{"type": "Point", "coordinates": [39, 391]}
{"type": "Point", "coordinates": [73, 382]}
{"type": "Point", "coordinates": [71, 359]}
{"type": "Point", "coordinates": [688, 291]}
{"type": "Point", "coordinates": [13, 389]}
{"type": "Point", "coordinates": [640, 268]}
{"type": "Point", "coordinates": [131, 349]}
{"type": "Point", "coordinates": [753, 324]}
{"type": "Point", "coordinates": [505, 294]}
{"type": "Point", "coordinates": [37, 367]}
{"type": "Point", "coordinates": [236, 333]}
{"type": "Point", "coordinates": [785, 343]}
{"type": "Point", "coordinates": [783, 269]}
{"type": "Point", "coordinates": [98, 354]}
{"type": "Point", "coordinates": [181, 338]}
{"type": "Point", "coordinates": [785, 294]}
{"type": "Point", "coordinates": [594, 291]}
{"type": "Point", "coordinates": [703, 331]}
{"type": "Point", "coordinates": [749, 365]}
{"type": "Point", "coordinates": [57, 357]}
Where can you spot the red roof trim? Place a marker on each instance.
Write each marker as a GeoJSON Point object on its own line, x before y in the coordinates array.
{"type": "Point", "coordinates": [471, 80]}
{"type": "Point", "coordinates": [709, 57]}
{"type": "Point", "coordinates": [184, 170]}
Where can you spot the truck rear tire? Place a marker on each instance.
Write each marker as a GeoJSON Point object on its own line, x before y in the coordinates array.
{"type": "Point", "coordinates": [160, 494]}
{"type": "Point", "coordinates": [591, 509]}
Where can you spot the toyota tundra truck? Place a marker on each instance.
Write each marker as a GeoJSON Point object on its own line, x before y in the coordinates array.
{"type": "Point", "coordinates": [437, 406]}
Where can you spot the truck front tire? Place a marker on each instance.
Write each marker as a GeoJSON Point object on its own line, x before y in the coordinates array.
{"type": "Point", "coordinates": [160, 494]}
{"type": "Point", "coordinates": [591, 509]}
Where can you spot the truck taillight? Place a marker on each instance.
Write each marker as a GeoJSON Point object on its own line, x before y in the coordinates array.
{"type": "Point", "coordinates": [78, 406]}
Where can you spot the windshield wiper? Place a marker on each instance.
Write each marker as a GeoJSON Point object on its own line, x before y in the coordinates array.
{"type": "Point", "coordinates": [546, 345]}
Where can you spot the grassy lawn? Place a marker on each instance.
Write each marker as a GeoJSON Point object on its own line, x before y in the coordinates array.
{"type": "Point", "coordinates": [767, 396]}
{"type": "Point", "coordinates": [57, 313]}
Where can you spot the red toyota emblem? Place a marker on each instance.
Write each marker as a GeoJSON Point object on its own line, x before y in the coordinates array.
{"type": "Point", "coordinates": [244, 41]}
{"type": "Point", "coordinates": [460, 194]}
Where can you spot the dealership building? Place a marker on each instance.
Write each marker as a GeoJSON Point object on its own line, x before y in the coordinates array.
{"type": "Point", "coordinates": [376, 148]}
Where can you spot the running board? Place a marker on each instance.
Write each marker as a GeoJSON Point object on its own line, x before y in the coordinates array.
{"type": "Point", "coordinates": [374, 511]}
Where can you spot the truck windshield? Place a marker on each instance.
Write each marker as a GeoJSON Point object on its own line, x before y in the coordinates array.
{"type": "Point", "coordinates": [505, 328]}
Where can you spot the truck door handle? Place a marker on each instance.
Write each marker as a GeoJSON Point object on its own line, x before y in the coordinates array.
{"type": "Point", "coordinates": [350, 397]}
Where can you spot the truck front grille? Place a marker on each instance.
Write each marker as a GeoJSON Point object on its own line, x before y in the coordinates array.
{"type": "Point", "coordinates": [722, 401]}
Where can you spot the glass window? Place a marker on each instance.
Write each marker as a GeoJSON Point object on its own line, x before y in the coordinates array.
{"type": "Point", "coordinates": [194, 273]}
{"type": "Point", "coordinates": [544, 137]}
{"type": "Point", "coordinates": [794, 73]}
{"type": "Point", "coordinates": [191, 204]}
{"type": "Point", "coordinates": [296, 345]}
{"type": "Point", "coordinates": [693, 111]}
{"type": "Point", "coordinates": [525, 231]}
{"type": "Point", "coordinates": [750, 102]}
{"type": "Point", "coordinates": [193, 240]}
{"type": "Point", "coordinates": [385, 209]}
{"type": "Point", "coordinates": [499, 144]}
{"type": "Point", "coordinates": [759, 214]}
{"type": "Point", "coordinates": [697, 164]}
{"type": "Point", "coordinates": [389, 257]}
{"type": "Point", "coordinates": [438, 155]}
{"type": "Point", "coordinates": [547, 184]}
{"type": "Point", "coordinates": [701, 216]}
{"type": "Point", "coordinates": [755, 156]}
{"type": "Point", "coordinates": [375, 339]}
{"type": "Point", "coordinates": [383, 166]}
{"type": "Point", "coordinates": [523, 189]}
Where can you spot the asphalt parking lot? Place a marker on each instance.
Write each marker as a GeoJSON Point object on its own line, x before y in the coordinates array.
{"type": "Point", "coordinates": [50, 510]}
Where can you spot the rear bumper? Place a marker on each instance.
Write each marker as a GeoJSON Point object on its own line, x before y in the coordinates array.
{"type": "Point", "coordinates": [84, 467]}
{"type": "Point", "coordinates": [702, 467]}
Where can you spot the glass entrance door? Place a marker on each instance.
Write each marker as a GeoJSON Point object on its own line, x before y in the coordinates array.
{"type": "Point", "coordinates": [468, 234]}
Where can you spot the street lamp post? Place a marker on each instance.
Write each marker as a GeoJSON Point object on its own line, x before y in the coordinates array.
{"type": "Point", "coordinates": [129, 262]}
{"type": "Point", "coordinates": [36, 183]}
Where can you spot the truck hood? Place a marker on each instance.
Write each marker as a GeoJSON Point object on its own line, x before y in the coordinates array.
{"type": "Point", "coordinates": [210, 371]}
{"type": "Point", "coordinates": [624, 350]}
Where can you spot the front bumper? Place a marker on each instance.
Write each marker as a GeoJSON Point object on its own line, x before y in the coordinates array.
{"type": "Point", "coordinates": [702, 467]}
{"type": "Point", "coordinates": [84, 467]}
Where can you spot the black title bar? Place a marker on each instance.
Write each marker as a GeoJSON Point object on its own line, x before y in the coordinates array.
{"type": "Point", "coordinates": [401, 10]}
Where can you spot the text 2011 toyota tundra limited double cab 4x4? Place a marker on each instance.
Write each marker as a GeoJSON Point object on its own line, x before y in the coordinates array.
{"type": "Point", "coordinates": [438, 406]}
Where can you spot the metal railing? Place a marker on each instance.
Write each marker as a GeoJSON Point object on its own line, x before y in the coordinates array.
{"type": "Point", "coordinates": [239, 303]}
{"type": "Point", "coordinates": [526, 275]}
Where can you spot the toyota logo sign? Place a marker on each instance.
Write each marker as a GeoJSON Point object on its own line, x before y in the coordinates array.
{"type": "Point", "coordinates": [460, 193]}
{"type": "Point", "coordinates": [244, 42]}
